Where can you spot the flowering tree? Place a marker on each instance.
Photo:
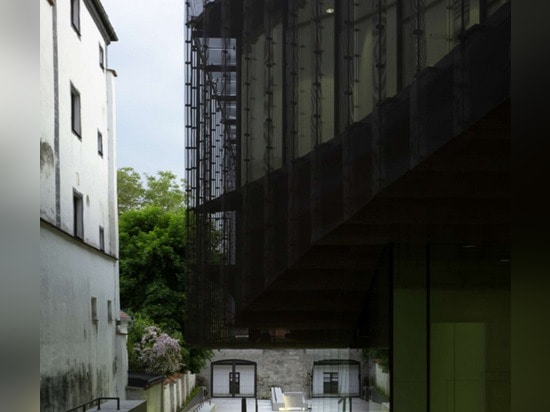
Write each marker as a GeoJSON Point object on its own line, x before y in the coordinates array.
{"type": "Point", "coordinates": [158, 352]}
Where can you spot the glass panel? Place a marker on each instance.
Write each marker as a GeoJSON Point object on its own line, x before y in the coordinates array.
{"type": "Point", "coordinates": [325, 60]}
{"type": "Point", "coordinates": [494, 5]}
{"type": "Point", "coordinates": [409, 333]}
{"type": "Point", "coordinates": [469, 328]}
{"type": "Point", "coordinates": [431, 29]}
{"type": "Point", "coordinates": [363, 57]}
{"type": "Point", "coordinates": [305, 73]}
{"type": "Point", "coordinates": [376, 326]}
{"type": "Point", "coordinates": [262, 73]}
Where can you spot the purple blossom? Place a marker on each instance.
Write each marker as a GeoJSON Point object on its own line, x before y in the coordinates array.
{"type": "Point", "coordinates": [159, 352]}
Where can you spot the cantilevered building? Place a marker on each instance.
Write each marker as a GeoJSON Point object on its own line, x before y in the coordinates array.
{"type": "Point", "coordinates": [349, 174]}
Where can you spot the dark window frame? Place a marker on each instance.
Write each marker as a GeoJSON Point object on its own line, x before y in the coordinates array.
{"type": "Point", "coordinates": [101, 57]}
{"type": "Point", "coordinates": [76, 112]}
{"type": "Point", "coordinates": [100, 143]}
{"type": "Point", "coordinates": [101, 238]}
{"type": "Point", "coordinates": [75, 15]}
{"type": "Point", "coordinates": [95, 317]}
{"type": "Point", "coordinates": [78, 215]}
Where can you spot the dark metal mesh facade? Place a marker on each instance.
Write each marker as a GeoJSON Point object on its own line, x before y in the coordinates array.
{"type": "Point", "coordinates": [297, 119]}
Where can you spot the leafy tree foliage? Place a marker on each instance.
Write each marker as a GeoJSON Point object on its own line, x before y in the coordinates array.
{"type": "Point", "coordinates": [152, 266]}
{"type": "Point", "coordinates": [152, 221]}
{"type": "Point", "coordinates": [163, 190]}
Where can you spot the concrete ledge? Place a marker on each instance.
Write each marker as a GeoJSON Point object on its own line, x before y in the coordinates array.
{"type": "Point", "coordinates": [277, 399]}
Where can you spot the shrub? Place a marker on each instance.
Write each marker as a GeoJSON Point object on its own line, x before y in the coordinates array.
{"type": "Point", "coordinates": [158, 352]}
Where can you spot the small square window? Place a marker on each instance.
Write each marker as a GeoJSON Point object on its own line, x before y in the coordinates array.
{"type": "Point", "coordinates": [101, 57]}
{"type": "Point", "coordinates": [109, 311]}
{"type": "Point", "coordinates": [78, 214]}
{"type": "Point", "coordinates": [101, 238]}
{"type": "Point", "coordinates": [99, 143]}
{"type": "Point", "coordinates": [75, 15]}
{"type": "Point", "coordinates": [94, 310]}
{"type": "Point", "coordinates": [76, 123]}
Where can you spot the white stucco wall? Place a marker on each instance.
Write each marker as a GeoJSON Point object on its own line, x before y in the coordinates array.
{"type": "Point", "coordinates": [80, 358]}
{"type": "Point", "coordinates": [81, 167]}
{"type": "Point", "coordinates": [47, 156]}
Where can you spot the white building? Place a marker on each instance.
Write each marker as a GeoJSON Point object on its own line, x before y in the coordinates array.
{"type": "Point", "coordinates": [82, 349]}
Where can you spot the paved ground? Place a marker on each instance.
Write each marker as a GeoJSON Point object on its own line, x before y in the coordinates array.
{"type": "Point", "coordinates": [317, 405]}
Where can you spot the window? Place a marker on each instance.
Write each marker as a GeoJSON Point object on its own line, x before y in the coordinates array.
{"type": "Point", "coordinates": [76, 123]}
{"type": "Point", "coordinates": [109, 311]}
{"type": "Point", "coordinates": [330, 383]}
{"type": "Point", "coordinates": [99, 143]}
{"type": "Point", "coordinates": [78, 213]}
{"type": "Point", "coordinates": [101, 238]}
{"type": "Point", "coordinates": [75, 15]}
{"type": "Point", "coordinates": [101, 57]}
{"type": "Point", "coordinates": [94, 310]}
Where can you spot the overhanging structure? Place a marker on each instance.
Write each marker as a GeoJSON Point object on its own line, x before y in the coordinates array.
{"type": "Point", "coordinates": [336, 157]}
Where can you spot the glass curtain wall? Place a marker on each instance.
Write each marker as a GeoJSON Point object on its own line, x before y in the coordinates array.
{"type": "Point", "coordinates": [314, 111]}
{"type": "Point", "coordinates": [262, 88]}
{"type": "Point", "coordinates": [312, 68]}
{"type": "Point", "coordinates": [451, 339]}
{"type": "Point", "coordinates": [298, 65]}
{"type": "Point", "coordinates": [431, 28]}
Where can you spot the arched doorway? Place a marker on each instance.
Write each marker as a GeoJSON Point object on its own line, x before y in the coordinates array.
{"type": "Point", "coordinates": [233, 378]}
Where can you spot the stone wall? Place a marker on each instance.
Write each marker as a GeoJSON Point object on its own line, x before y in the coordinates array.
{"type": "Point", "coordinates": [291, 369]}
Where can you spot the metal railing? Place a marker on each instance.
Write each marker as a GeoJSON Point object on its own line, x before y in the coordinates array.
{"type": "Point", "coordinates": [343, 400]}
{"type": "Point", "coordinates": [98, 400]}
{"type": "Point", "coordinates": [197, 402]}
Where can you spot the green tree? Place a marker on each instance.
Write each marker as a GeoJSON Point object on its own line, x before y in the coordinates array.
{"type": "Point", "coordinates": [163, 190]}
{"type": "Point", "coordinates": [130, 190]}
{"type": "Point", "coordinates": [152, 223]}
{"type": "Point", "coordinates": [152, 265]}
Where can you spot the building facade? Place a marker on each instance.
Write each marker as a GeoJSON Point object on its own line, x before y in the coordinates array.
{"type": "Point", "coordinates": [349, 176]}
{"type": "Point", "coordinates": [82, 348]}
{"type": "Point", "coordinates": [315, 372]}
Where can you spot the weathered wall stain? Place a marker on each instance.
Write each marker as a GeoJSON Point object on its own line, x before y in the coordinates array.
{"type": "Point", "coordinates": [46, 155]}
{"type": "Point", "coordinates": [78, 385]}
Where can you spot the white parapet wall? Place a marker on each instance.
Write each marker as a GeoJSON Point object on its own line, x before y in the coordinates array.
{"type": "Point", "coordinates": [166, 396]}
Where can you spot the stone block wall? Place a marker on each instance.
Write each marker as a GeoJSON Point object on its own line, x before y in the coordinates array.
{"type": "Point", "coordinates": [291, 369]}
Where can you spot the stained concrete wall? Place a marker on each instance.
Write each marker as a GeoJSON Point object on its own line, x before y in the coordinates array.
{"type": "Point", "coordinates": [290, 369]}
{"type": "Point", "coordinates": [78, 354]}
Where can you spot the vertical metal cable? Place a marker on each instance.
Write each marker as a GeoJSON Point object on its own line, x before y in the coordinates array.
{"type": "Point", "coordinates": [351, 58]}
{"type": "Point", "coordinates": [268, 86]}
{"type": "Point", "coordinates": [419, 34]}
{"type": "Point", "coordinates": [380, 53]}
{"type": "Point", "coordinates": [316, 91]}
{"type": "Point", "coordinates": [291, 110]}
{"type": "Point", "coordinates": [247, 81]}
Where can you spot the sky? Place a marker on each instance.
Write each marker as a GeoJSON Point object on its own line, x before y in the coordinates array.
{"type": "Point", "coordinates": [149, 60]}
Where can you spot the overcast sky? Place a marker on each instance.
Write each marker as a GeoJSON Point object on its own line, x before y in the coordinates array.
{"type": "Point", "coordinates": [149, 61]}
